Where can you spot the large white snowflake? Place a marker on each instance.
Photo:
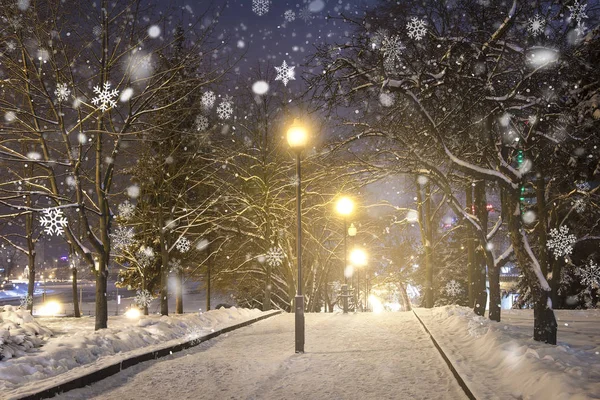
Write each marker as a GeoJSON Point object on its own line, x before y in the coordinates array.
{"type": "Point", "coordinates": [577, 11]}
{"type": "Point", "coordinates": [590, 275]}
{"type": "Point", "coordinates": [201, 124]}
{"type": "Point", "coordinates": [62, 92]}
{"type": "Point", "coordinates": [582, 186]}
{"type": "Point", "coordinates": [208, 100]}
{"type": "Point", "coordinates": [53, 221]}
{"type": "Point", "coordinates": [105, 97]}
{"type": "Point", "coordinates": [144, 256]}
{"type": "Point", "coordinates": [560, 242]}
{"type": "Point", "coordinates": [391, 47]}
{"type": "Point", "coordinates": [143, 298]}
{"type": "Point", "coordinates": [289, 15]}
{"type": "Point", "coordinates": [175, 265]}
{"type": "Point", "coordinates": [183, 245]}
{"type": "Point", "coordinates": [453, 288]}
{"type": "Point", "coordinates": [274, 256]}
{"type": "Point", "coordinates": [285, 73]}
{"type": "Point", "coordinates": [579, 205]}
{"type": "Point", "coordinates": [580, 28]}
{"type": "Point", "coordinates": [126, 210]}
{"type": "Point", "coordinates": [305, 14]}
{"type": "Point", "coordinates": [122, 238]}
{"type": "Point", "coordinates": [536, 25]}
{"type": "Point", "coordinates": [25, 301]}
{"type": "Point", "coordinates": [416, 28]}
{"type": "Point", "coordinates": [225, 109]}
{"type": "Point", "coordinates": [260, 7]}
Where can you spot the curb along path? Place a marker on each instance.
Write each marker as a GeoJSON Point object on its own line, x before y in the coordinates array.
{"type": "Point", "coordinates": [455, 373]}
{"type": "Point", "coordinates": [114, 368]}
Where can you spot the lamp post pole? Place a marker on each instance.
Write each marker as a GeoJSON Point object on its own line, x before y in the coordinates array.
{"type": "Point", "coordinates": [299, 297]}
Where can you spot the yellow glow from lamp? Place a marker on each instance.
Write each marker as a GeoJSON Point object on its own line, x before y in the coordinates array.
{"type": "Point", "coordinates": [133, 313]}
{"type": "Point", "coordinates": [344, 206]}
{"type": "Point", "coordinates": [358, 257]}
{"type": "Point", "coordinates": [297, 136]}
{"type": "Point", "coordinates": [352, 230]}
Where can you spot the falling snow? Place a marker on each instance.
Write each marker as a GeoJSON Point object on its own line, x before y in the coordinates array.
{"type": "Point", "coordinates": [285, 73]}
{"type": "Point", "coordinates": [391, 48]}
{"type": "Point", "coordinates": [62, 92]}
{"type": "Point", "coordinates": [53, 221]}
{"type": "Point", "coordinates": [590, 275]}
{"type": "Point", "coordinates": [274, 256]}
{"type": "Point", "coordinates": [183, 245]}
{"type": "Point", "coordinates": [536, 25]}
{"type": "Point", "coordinates": [143, 298]}
{"type": "Point", "coordinates": [225, 110]}
{"type": "Point", "coordinates": [453, 288]}
{"type": "Point", "coordinates": [208, 100]}
{"type": "Point", "coordinates": [289, 16]}
{"type": "Point", "coordinates": [126, 210]}
{"type": "Point", "coordinates": [105, 97]}
{"type": "Point", "coordinates": [201, 124]}
{"type": "Point", "coordinates": [561, 242]}
{"type": "Point", "coordinates": [25, 301]}
{"type": "Point", "coordinates": [416, 28]}
{"type": "Point", "coordinates": [122, 238]}
{"type": "Point", "coordinates": [260, 7]}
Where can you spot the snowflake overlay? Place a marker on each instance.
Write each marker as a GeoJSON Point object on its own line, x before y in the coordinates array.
{"type": "Point", "coordinates": [208, 100]}
{"type": "Point", "coordinates": [105, 97]}
{"type": "Point", "coordinates": [25, 301]}
{"type": "Point", "coordinates": [143, 298]}
{"type": "Point", "coordinates": [175, 265]}
{"type": "Point", "coordinates": [579, 205]}
{"type": "Point", "coordinates": [62, 92]}
{"type": "Point", "coordinates": [305, 14]}
{"type": "Point", "coordinates": [416, 28]}
{"type": "Point", "coordinates": [53, 221]}
{"type": "Point", "coordinates": [201, 124]}
{"type": "Point", "coordinates": [453, 288]}
{"type": "Point", "coordinates": [577, 14]}
{"type": "Point", "coordinates": [391, 47]}
{"type": "Point", "coordinates": [144, 256]}
{"type": "Point", "coordinates": [183, 245]}
{"type": "Point", "coordinates": [285, 73]}
{"type": "Point", "coordinates": [289, 15]}
{"type": "Point", "coordinates": [274, 256]}
{"type": "Point", "coordinates": [590, 275]}
{"type": "Point", "coordinates": [561, 243]}
{"type": "Point", "coordinates": [260, 7]}
{"type": "Point", "coordinates": [536, 25]}
{"type": "Point", "coordinates": [583, 186]}
{"type": "Point", "coordinates": [126, 210]}
{"type": "Point", "coordinates": [225, 109]}
{"type": "Point", "coordinates": [122, 238]}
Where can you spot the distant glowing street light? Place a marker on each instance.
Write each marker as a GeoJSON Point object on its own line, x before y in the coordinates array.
{"type": "Point", "coordinates": [344, 206]}
{"type": "Point", "coordinates": [352, 230]}
{"type": "Point", "coordinates": [358, 258]}
{"type": "Point", "coordinates": [297, 137]}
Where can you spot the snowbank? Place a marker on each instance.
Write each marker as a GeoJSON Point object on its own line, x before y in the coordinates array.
{"type": "Point", "coordinates": [76, 344]}
{"type": "Point", "coordinates": [19, 333]}
{"type": "Point", "coordinates": [502, 361]}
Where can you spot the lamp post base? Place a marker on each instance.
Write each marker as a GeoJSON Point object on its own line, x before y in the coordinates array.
{"type": "Point", "coordinates": [345, 298]}
{"type": "Point", "coordinates": [299, 311]}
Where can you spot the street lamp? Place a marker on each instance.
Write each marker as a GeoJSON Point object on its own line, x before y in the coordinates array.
{"type": "Point", "coordinates": [358, 257]}
{"type": "Point", "coordinates": [344, 207]}
{"type": "Point", "coordinates": [297, 137]}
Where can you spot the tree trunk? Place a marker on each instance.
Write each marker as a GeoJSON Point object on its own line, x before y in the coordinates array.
{"type": "Point", "coordinates": [404, 298]}
{"type": "Point", "coordinates": [480, 259]}
{"type": "Point", "coordinates": [267, 292]}
{"type": "Point", "coordinates": [77, 313]}
{"type": "Point", "coordinates": [470, 248]}
{"type": "Point", "coordinates": [31, 281]}
{"type": "Point", "coordinates": [208, 267]}
{"type": "Point", "coordinates": [101, 287]}
{"type": "Point", "coordinates": [544, 324]}
{"type": "Point", "coordinates": [424, 210]}
{"type": "Point", "coordinates": [164, 256]}
{"type": "Point", "coordinates": [179, 292]}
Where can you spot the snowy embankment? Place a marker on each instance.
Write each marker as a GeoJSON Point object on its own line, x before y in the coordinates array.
{"type": "Point", "coordinates": [76, 349]}
{"type": "Point", "coordinates": [502, 361]}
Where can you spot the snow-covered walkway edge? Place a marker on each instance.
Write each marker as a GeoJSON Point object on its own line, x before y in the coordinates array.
{"type": "Point", "coordinates": [502, 361]}
{"type": "Point", "coordinates": [76, 350]}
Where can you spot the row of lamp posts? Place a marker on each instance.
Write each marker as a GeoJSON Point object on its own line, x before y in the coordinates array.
{"type": "Point", "coordinates": [297, 137]}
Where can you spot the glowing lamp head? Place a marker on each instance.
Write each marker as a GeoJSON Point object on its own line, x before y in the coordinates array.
{"type": "Point", "coordinates": [344, 206]}
{"type": "Point", "coordinates": [297, 136]}
{"type": "Point", "coordinates": [358, 257]}
{"type": "Point", "coordinates": [133, 313]}
{"type": "Point", "coordinates": [352, 230]}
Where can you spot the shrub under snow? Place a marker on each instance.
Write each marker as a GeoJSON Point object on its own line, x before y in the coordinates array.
{"type": "Point", "coordinates": [19, 332]}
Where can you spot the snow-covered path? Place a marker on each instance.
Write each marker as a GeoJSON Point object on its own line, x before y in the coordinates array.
{"type": "Point", "coordinates": [354, 356]}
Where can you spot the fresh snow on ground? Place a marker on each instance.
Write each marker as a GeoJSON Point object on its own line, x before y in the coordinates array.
{"type": "Point", "coordinates": [502, 361]}
{"type": "Point", "coordinates": [76, 349]}
{"type": "Point", "coordinates": [348, 356]}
